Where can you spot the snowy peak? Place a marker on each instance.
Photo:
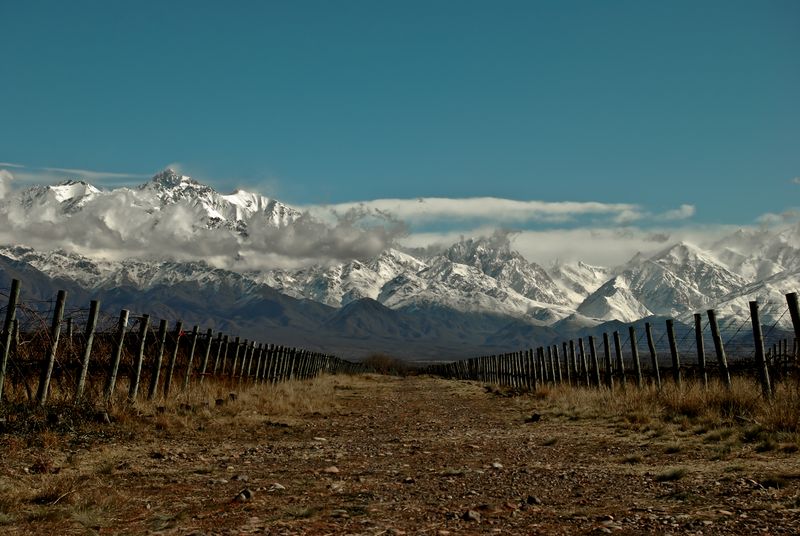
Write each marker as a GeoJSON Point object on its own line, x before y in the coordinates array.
{"type": "Point", "coordinates": [614, 300]}
{"type": "Point", "coordinates": [495, 258]}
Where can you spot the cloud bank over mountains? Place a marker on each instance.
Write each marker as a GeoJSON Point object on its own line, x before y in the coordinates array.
{"type": "Point", "coordinates": [173, 216]}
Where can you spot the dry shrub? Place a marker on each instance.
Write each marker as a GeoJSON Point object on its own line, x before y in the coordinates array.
{"type": "Point", "coordinates": [782, 413]}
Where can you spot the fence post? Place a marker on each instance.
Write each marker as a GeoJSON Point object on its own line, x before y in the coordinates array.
{"type": "Point", "coordinates": [637, 364]}
{"type": "Point", "coordinates": [173, 358]}
{"type": "Point", "coordinates": [192, 347]}
{"type": "Point", "coordinates": [761, 363]}
{"type": "Point", "coordinates": [595, 363]}
{"type": "Point", "coordinates": [91, 326]}
{"type": "Point", "coordinates": [136, 371]}
{"type": "Point", "coordinates": [236, 345]}
{"type": "Point", "coordinates": [573, 364]}
{"type": "Point", "coordinates": [50, 358]}
{"type": "Point", "coordinates": [154, 375]}
{"type": "Point", "coordinates": [609, 378]}
{"type": "Point", "coordinates": [584, 364]}
{"type": "Point", "coordinates": [719, 348]}
{"type": "Point", "coordinates": [653, 355]}
{"type": "Point", "coordinates": [117, 355]}
{"type": "Point", "coordinates": [207, 355]}
{"type": "Point", "coordinates": [618, 356]}
{"type": "Point", "coordinates": [673, 350]}
{"type": "Point", "coordinates": [8, 333]}
{"type": "Point", "coordinates": [557, 359]}
{"type": "Point", "coordinates": [701, 351]}
{"type": "Point", "coordinates": [794, 312]}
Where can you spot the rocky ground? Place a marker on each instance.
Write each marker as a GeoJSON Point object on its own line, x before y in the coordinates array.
{"type": "Point", "coordinates": [398, 456]}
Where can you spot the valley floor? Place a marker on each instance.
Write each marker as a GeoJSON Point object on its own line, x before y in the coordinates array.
{"type": "Point", "coordinates": [395, 456]}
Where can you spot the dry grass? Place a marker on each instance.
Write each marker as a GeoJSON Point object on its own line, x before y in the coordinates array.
{"type": "Point", "coordinates": [708, 408]}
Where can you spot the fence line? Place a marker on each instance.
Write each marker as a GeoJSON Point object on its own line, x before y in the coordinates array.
{"type": "Point", "coordinates": [766, 358]}
{"type": "Point", "coordinates": [93, 359]}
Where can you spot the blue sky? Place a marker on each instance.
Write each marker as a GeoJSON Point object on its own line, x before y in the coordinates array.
{"type": "Point", "coordinates": [654, 104]}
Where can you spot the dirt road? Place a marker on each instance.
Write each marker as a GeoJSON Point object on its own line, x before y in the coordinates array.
{"type": "Point", "coordinates": [413, 456]}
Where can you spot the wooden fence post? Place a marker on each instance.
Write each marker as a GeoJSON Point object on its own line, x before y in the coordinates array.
{"type": "Point", "coordinates": [8, 333]}
{"type": "Point", "coordinates": [192, 346]}
{"type": "Point", "coordinates": [608, 373]}
{"type": "Point", "coordinates": [557, 359]}
{"type": "Point", "coordinates": [119, 343]}
{"type": "Point", "coordinates": [761, 363]}
{"type": "Point", "coordinates": [637, 364]}
{"type": "Point", "coordinates": [719, 348]}
{"type": "Point", "coordinates": [595, 363]}
{"type": "Point", "coordinates": [573, 363]}
{"type": "Point", "coordinates": [156, 371]}
{"type": "Point", "coordinates": [91, 326]}
{"type": "Point", "coordinates": [173, 358]}
{"type": "Point", "coordinates": [50, 358]}
{"type": "Point", "coordinates": [565, 352]}
{"type": "Point", "coordinates": [673, 350]}
{"type": "Point", "coordinates": [620, 363]}
{"type": "Point", "coordinates": [207, 354]}
{"type": "Point", "coordinates": [653, 355]}
{"type": "Point", "coordinates": [794, 312]}
{"type": "Point", "coordinates": [136, 370]}
{"type": "Point", "coordinates": [236, 346]}
{"type": "Point", "coordinates": [584, 365]}
{"type": "Point", "coordinates": [701, 351]}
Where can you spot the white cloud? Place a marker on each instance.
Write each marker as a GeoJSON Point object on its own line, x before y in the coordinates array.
{"type": "Point", "coordinates": [681, 213]}
{"type": "Point", "coordinates": [604, 246]}
{"type": "Point", "coordinates": [5, 182]}
{"type": "Point", "coordinates": [49, 175]}
{"type": "Point", "coordinates": [772, 218]}
{"type": "Point", "coordinates": [432, 209]}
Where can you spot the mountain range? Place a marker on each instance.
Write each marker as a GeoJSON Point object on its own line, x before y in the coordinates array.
{"type": "Point", "coordinates": [474, 297]}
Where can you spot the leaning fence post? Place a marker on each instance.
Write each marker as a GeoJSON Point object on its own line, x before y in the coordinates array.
{"type": "Point", "coordinates": [719, 348]}
{"type": "Point", "coordinates": [673, 350]}
{"type": "Point", "coordinates": [701, 352]}
{"type": "Point", "coordinates": [173, 358]}
{"type": "Point", "coordinates": [156, 372]}
{"type": "Point", "coordinates": [608, 373]}
{"type": "Point", "coordinates": [653, 355]}
{"type": "Point", "coordinates": [115, 358]}
{"type": "Point", "coordinates": [50, 358]}
{"type": "Point", "coordinates": [193, 345]}
{"type": "Point", "coordinates": [136, 371]}
{"type": "Point", "coordinates": [637, 364]}
{"type": "Point", "coordinates": [207, 355]}
{"type": "Point", "coordinates": [91, 325]}
{"type": "Point", "coordinates": [8, 333]}
{"type": "Point", "coordinates": [618, 354]}
{"type": "Point", "coordinates": [584, 365]}
{"type": "Point", "coordinates": [595, 363]}
{"type": "Point", "coordinates": [761, 363]}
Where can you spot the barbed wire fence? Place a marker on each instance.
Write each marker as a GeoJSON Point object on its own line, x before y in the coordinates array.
{"type": "Point", "coordinates": [51, 352]}
{"type": "Point", "coordinates": [761, 343]}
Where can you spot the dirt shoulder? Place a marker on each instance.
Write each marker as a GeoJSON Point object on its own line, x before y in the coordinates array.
{"type": "Point", "coordinates": [391, 456]}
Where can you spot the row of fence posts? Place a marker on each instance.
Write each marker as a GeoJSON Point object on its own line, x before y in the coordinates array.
{"type": "Point", "coordinates": [580, 366]}
{"type": "Point", "coordinates": [225, 357]}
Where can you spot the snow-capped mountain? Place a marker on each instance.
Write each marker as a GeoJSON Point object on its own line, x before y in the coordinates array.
{"type": "Point", "coordinates": [154, 201]}
{"type": "Point", "coordinates": [343, 283]}
{"type": "Point", "coordinates": [578, 280]}
{"type": "Point", "coordinates": [494, 258]}
{"type": "Point", "coordinates": [474, 284]}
